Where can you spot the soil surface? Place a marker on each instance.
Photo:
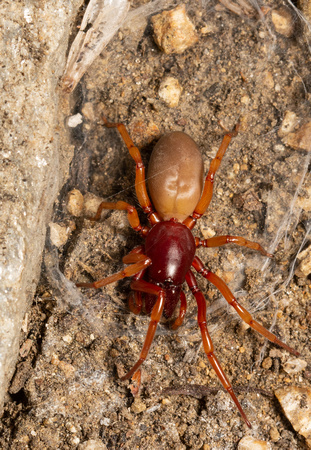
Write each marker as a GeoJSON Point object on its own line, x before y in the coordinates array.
{"type": "Point", "coordinates": [66, 390]}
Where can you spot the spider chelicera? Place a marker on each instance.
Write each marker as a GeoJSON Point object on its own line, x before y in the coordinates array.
{"type": "Point", "coordinates": [161, 266]}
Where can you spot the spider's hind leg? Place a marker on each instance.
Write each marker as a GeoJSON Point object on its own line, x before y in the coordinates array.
{"type": "Point", "coordinates": [208, 344]}
{"type": "Point", "coordinates": [243, 313]}
{"type": "Point", "coordinates": [149, 288]}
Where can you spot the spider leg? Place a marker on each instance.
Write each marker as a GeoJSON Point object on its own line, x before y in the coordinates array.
{"type": "Point", "coordinates": [132, 215]}
{"type": "Point", "coordinates": [135, 299]}
{"type": "Point", "coordinates": [207, 193]}
{"type": "Point", "coordinates": [182, 311]}
{"type": "Point", "coordinates": [140, 261]}
{"type": "Point", "coordinates": [208, 344]}
{"type": "Point", "coordinates": [243, 313]}
{"type": "Point", "coordinates": [218, 241]}
{"type": "Point", "coordinates": [135, 255]}
{"type": "Point", "coordinates": [149, 288]}
{"type": "Point", "coordinates": [140, 181]}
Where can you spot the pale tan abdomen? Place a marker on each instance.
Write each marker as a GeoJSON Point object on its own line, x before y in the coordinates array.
{"type": "Point", "coordinates": [175, 176]}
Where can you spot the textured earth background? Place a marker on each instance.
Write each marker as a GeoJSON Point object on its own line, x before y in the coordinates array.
{"type": "Point", "coordinates": [66, 392]}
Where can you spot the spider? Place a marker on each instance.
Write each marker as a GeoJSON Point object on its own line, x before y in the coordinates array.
{"type": "Point", "coordinates": [161, 266]}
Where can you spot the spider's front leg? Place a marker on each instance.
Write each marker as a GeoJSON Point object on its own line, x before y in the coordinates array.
{"type": "Point", "coordinates": [140, 181]}
{"type": "Point", "coordinates": [243, 313]}
{"type": "Point", "coordinates": [207, 193]}
{"type": "Point", "coordinates": [132, 215]}
{"type": "Point", "coordinates": [208, 344]}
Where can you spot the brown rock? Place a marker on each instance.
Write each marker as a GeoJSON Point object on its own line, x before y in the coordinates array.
{"type": "Point", "coordinates": [75, 203]}
{"type": "Point", "coordinates": [301, 139]}
{"type": "Point", "coordinates": [296, 404]}
{"type": "Point", "coordinates": [170, 91]}
{"type": "Point", "coordinates": [283, 21]}
{"type": "Point", "coordinates": [250, 443]}
{"type": "Point", "coordinates": [304, 268]}
{"type": "Point", "coordinates": [173, 30]}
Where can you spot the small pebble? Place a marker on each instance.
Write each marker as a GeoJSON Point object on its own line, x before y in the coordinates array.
{"type": "Point", "coordinates": [301, 139]}
{"type": "Point", "coordinates": [267, 79]}
{"type": "Point", "coordinates": [92, 444]}
{"type": "Point", "coordinates": [67, 338]}
{"type": "Point", "coordinates": [274, 434]}
{"type": "Point", "coordinates": [267, 363]}
{"type": "Point", "coordinates": [55, 359]}
{"type": "Point", "coordinates": [245, 100]}
{"type": "Point", "coordinates": [207, 232]}
{"type": "Point", "coordinates": [105, 421]}
{"type": "Point", "coordinates": [67, 368]}
{"type": "Point", "coordinates": [236, 168]}
{"type": "Point", "coordinates": [75, 202]}
{"type": "Point", "coordinates": [138, 406]}
{"type": "Point", "coordinates": [283, 21]}
{"type": "Point", "coordinates": [88, 111]}
{"type": "Point", "coordinates": [75, 441]}
{"type": "Point", "coordinates": [173, 30]}
{"type": "Point", "coordinates": [170, 91]}
{"type": "Point", "coordinates": [70, 427]}
{"type": "Point", "coordinates": [279, 148]}
{"type": "Point", "coordinates": [25, 348]}
{"type": "Point", "coordinates": [59, 233]}
{"type": "Point", "coordinates": [304, 267]}
{"type": "Point", "coordinates": [91, 204]}
{"type": "Point", "coordinates": [294, 366]}
{"type": "Point", "coordinates": [296, 404]}
{"type": "Point", "coordinates": [75, 120]}
{"type": "Point", "coordinates": [250, 443]}
{"type": "Point", "coordinates": [289, 122]}
{"type": "Point", "coordinates": [304, 202]}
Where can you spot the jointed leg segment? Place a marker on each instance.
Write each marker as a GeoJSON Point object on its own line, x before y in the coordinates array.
{"type": "Point", "coordinates": [218, 241]}
{"type": "Point", "coordinates": [132, 215]}
{"type": "Point", "coordinates": [243, 313]}
{"type": "Point", "coordinates": [208, 344]}
{"type": "Point", "coordinates": [140, 261]}
{"type": "Point", "coordinates": [182, 311]}
{"type": "Point", "coordinates": [149, 288]}
{"type": "Point", "coordinates": [207, 194]}
{"type": "Point", "coordinates": [135, 299]}
{"type": "Point", "coordinates": [140, 183]}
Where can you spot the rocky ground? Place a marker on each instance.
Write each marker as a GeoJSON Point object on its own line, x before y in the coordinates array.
{"type": "Point", "coordinates": [66, 392]}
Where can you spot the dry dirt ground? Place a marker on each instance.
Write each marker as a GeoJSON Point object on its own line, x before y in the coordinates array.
{"type": "Point", "coordinates": [66, 390]}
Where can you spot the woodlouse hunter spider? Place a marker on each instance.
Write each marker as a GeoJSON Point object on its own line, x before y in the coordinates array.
{"type": "Point", "coordinates": [161, 266]}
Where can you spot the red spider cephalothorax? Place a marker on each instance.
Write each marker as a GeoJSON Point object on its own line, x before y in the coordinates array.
{"type": "Point", "coordinates": [161, 266]}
